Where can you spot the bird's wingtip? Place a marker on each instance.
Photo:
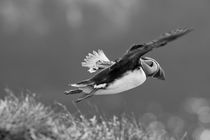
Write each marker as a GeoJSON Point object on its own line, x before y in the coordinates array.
{"type": "Point", "coordinates": [174, 34]}
{"type": "Point", "coordinates": [185, 30]}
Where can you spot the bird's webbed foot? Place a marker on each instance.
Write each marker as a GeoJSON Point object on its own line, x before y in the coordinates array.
{"type": "Point", "coordinates": [85, 96]}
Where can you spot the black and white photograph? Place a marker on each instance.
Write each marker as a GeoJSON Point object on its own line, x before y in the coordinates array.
{"type": "Point", "coordinates": [104, 70]}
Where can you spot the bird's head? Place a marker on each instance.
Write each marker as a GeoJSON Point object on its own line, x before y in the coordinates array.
{"type": "Point", "coordinates": [152, 68]}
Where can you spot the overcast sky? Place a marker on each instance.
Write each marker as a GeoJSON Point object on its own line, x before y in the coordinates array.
{"type": "Point", "coordinates": [42, 44]}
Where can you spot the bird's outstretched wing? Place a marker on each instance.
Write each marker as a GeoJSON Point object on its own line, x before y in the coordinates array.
{"type": "Point", "coordinates": [140, 50]}
{"type": "Point", "coordinates": [96, 61]}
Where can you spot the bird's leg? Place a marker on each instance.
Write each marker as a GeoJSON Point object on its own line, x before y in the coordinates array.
{"type": "Point", "coordinates": [85, 96]}
{"type": "Point", "coordinates": [76, 91]}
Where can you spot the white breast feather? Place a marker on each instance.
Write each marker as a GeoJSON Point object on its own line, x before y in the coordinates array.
{"type": "Point", "coordinates": [128, 81]}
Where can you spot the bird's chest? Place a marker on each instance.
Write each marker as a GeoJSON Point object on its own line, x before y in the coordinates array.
{"type": "Point", "coordinates": [128, 81]}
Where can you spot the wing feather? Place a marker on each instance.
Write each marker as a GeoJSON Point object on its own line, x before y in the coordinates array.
{"type": "Point", "coordinates": [96, 60]}
{"type": "Point", "coordinates": [142, 49]}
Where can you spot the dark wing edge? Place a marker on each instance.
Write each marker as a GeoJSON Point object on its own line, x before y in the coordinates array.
{"type": "Point", "coordinates": [161, 41]}
{"type": "Point", "coordinates": [168, 37]}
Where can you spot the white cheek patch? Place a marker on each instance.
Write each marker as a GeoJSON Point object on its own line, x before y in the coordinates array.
{"type": "Point", "coordinates": [100, 86]}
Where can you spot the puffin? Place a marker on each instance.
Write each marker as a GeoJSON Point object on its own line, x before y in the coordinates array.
{"type": "Point", "coordinates": [125, 73]}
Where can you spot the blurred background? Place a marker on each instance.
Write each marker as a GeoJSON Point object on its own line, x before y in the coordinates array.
{"type": "Point", "coordinates": [42, 44]}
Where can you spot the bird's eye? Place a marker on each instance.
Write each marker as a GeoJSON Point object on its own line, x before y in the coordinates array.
{"type": "Point", "coordinates": [151, 64]}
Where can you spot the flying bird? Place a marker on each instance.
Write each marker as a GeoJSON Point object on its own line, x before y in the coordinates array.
{"type": "Point", "coordinates": [127, 72]}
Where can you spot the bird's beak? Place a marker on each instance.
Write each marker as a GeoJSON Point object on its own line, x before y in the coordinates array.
{"type": "Point", "coordinates": [160, 74]}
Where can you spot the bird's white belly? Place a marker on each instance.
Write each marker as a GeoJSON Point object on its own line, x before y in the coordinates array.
{"type": "Point", "coordinates": [128, 81]}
